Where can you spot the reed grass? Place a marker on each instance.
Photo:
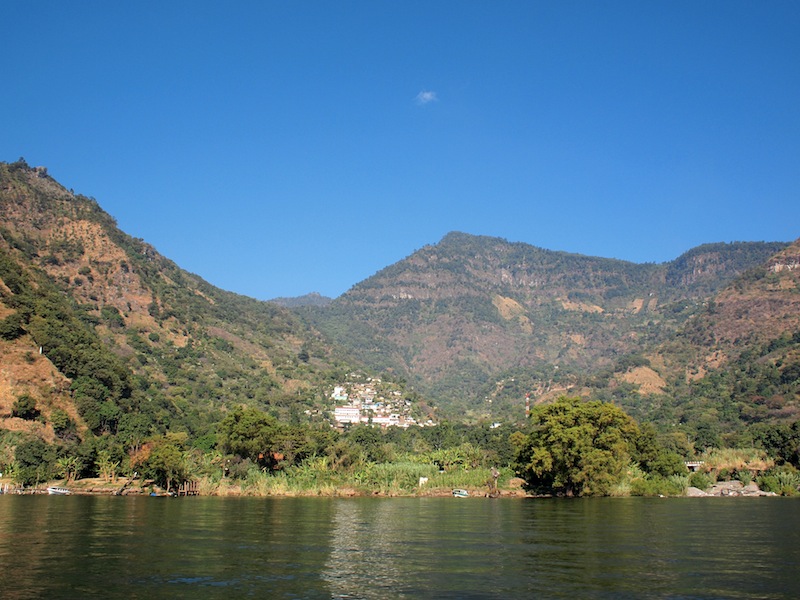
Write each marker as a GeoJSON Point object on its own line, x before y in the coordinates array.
{"type": "Point", "coordinates": [316, 478]}
{"type": "Point", "coordinates": [736, 459]}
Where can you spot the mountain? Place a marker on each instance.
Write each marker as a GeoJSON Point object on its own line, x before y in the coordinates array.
{"type": "Point", "coordinates": [758, 307]}
{"type": "Point", "coordinates": [98, 331]}
{"type": "Point", "coordinates": [312, 299]}
{"type": "Point", "coordinates": [737, 361]}
{"type": "Point", "coordinates": [476, 322]}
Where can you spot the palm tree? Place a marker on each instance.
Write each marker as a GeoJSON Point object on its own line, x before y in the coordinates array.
{"type": "Point", "coordinates": [106, 467]}
{"type": "Point", "coordinates": [68, 467]}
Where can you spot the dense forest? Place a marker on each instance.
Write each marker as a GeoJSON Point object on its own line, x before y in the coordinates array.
{"type": "Point", "coordinates": [119, 367]}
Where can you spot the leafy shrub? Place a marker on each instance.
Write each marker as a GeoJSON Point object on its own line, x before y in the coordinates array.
{"type": "Point", "coordinates": [657, 485]}
{"type": "Point", "coordinates": [745, 477]}
{"type": "Point", "coordinates": [112, 316]}
{"type": "Point", "coordinates": [700, 480]}
{"type": "Point", "coordinates": [62, 425]}
{"type": "Point", "coordinates": [25, 408]}
{"type": "Point", "coordinates": [783, 480]}
{"type": "Point", "coordinates": [11, 327]}
{"type": "Point", "coordinates": [239, 468]}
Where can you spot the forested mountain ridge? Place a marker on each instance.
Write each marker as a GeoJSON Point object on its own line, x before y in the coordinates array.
{"type": "Point", "coordinates": [743, 350]}
{"type": "Point", "coordinates": [760, 306]}
{"type": "Point", "coordinates": [475, 319]}
{"type": "Point", "coordinates": [312, 299]}
{"type": "Point", "coordinates": [132, 345]}
{"type": "Point", "coordinates": [99, 331]}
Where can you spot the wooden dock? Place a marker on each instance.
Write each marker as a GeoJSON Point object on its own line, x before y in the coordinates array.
{"type": "Point", "coordinates": [188, 488]}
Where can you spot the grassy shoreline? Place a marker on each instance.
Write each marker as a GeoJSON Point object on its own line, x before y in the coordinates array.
{"type": "Point", "coordinates": [99, 487]}
{"type": "Point", "coordinates": [375, 480]}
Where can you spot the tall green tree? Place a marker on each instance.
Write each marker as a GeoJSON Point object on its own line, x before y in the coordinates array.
{"type": "Point", "coordinates": [577, 447]}
{"type": "Point", "coordinates": [34, 461]}
{"type": "Point", "coordinates": [249, 433]}
{"type": "Point", "coordinates": [167, 463]}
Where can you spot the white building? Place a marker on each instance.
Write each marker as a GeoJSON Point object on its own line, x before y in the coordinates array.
{"type": "Point", "coordinates": [347, 414]}
{"type": "Point", "coordinates": [339, 394]}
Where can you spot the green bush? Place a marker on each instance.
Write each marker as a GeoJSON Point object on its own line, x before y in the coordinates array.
{"type": "Point", "coordinates": [700, 480]}
{"type": "Point", "coordinates": [112, 316]}
{"type": "Point", "coordinates": [657, 485]}
{"type": "Point", "coordinates": [25, 408]}
{"type": "Point", "coordinates": [11, 327]}
{"type": "Point", "coordinates": [783, 480]}
{"type": "Point", "coordinates": [60, 421]}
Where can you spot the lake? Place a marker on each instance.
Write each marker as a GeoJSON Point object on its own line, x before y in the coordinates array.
{"type": "Point", "coordinates": [143, 547]}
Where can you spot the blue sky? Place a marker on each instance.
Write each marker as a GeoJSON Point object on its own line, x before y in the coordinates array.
{"type": "Point", "coordinates": [277, 148]}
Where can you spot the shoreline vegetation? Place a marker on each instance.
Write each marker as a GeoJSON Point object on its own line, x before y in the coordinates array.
{"type": "Point", "coordinates": [125, 486]}
{"type": "Point", "coordinates": [723, 473]}
{"type": "Point", "coordinates": [568, 448]}
{"type": "Point", "coordinates": [376, 480]}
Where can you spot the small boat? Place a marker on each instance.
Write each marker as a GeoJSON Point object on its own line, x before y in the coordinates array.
{"type": "Point", "coordinates": [58, 491]}
{"type": "Point", "coordinates": [460, 493]}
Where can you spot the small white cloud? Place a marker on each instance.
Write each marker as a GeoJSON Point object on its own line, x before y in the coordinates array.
{"type": "Point", "coordinates": [426, 97]}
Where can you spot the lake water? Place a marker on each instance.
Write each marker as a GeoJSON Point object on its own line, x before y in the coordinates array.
{"type": "Point", "coordinates": [142, 547]}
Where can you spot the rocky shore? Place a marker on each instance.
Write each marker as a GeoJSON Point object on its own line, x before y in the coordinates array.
{"type": "Point", "coordinates": [728, 488]}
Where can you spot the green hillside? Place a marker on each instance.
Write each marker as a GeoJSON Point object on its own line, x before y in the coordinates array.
{"type": "Point", "coordinates": [115, 361]}
{"type": "Point", "coordinates": [463, 318]}
{"type": "Point", "coordinates": [106, 344]}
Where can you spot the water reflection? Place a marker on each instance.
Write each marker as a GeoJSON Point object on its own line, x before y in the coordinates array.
{"type": "Point", "coordinates": [442, 548]}
{"type": "Point", "coordinates": [398, 548]}
{"type": "Point", "coordinates": [364, 541]}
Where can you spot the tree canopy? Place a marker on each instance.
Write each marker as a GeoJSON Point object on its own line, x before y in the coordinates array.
{"type": "Point", "coordinates": [577, 447]}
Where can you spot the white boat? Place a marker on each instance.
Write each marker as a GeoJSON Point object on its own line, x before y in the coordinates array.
{"type": "Point", "coordinates": [58, 491]}
{"type": "Point", "coordinates": [460, 493]}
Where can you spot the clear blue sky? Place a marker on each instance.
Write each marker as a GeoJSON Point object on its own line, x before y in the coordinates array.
{"type": "Point", "coordinates": [277, 148]}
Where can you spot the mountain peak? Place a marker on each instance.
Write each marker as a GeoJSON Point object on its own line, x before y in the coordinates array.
{"type": "Point", "coordinates": [310, 299]}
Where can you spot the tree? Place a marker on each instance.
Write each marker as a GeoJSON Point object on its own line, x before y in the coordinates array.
{"type": "Point", "coordinates": [166, 463]}
{"type": "Point", "coordinates": [370, 440]}
{"type": "Point", "coordinates": [577, 447]}
{"type": "Point", "coordinates": [106, 466]}
{"type": "Point", "coordinates": [654, 457]}
{"type": "Point", "coordinates": [781, 441]}
{"type": "Point", "coordinates": [25, 408]}
{"type": "Point", "coordinates": [249, 433]}
{"type": "Point", "coordinates": [62, 425]}
{"type": "Point", "coordinates": [34, 460]}
{"type": "Point", "coordinates": [12, 327]}
{"type": "Point", "coordinates": [68, 467]}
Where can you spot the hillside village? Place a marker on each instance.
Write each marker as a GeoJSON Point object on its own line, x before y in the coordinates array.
{"type": "Point", "coordinates": [373, 402]}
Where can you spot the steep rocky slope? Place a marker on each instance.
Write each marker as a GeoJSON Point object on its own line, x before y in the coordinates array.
{"type": "Point", "coordinates": [101, 326]}
{"type": "Point", "coordinates": [471, 315]}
